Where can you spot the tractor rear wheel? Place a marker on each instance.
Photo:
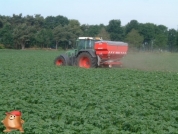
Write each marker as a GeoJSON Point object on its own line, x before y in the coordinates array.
{"type": "Point", "coordinates": [85, 60]}
{"type": "Point", "coordinates": [60, 61]}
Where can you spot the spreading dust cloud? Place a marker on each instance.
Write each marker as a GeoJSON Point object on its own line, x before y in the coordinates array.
{"type": "Point", "coordinates": [151, 61]}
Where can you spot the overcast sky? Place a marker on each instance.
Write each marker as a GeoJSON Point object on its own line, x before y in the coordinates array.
{"type": "Point", "coordinates": [91, 12]}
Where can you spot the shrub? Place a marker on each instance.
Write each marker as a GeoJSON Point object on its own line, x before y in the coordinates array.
{"type": "Point", "coordinates": [2, 46]}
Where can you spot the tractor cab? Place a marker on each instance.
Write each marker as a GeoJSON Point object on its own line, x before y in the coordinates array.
{"type": "Point", "coordinates": [86, 42]}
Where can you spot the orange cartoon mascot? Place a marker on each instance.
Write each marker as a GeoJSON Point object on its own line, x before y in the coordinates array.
{"type": "Point", "coordinates": [13, 121]}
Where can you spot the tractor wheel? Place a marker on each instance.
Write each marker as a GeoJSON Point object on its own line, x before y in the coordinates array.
{"type": "Point", "coordinates": [60, 61]}
{"type": "Point", "coordinates": [85, 60]}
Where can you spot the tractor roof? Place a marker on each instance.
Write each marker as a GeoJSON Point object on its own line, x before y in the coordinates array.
{"type": "Point", "coordinates": [91, 38]}
{"type": "Point", "coordinates": [85, 38]}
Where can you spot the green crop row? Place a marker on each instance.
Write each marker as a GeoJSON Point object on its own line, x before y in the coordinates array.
{"type": "Point", "coordinates": [72, 100]}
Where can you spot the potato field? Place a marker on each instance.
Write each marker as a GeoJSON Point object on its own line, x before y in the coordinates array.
{"type": "Point", "coordinates": [139, 98]}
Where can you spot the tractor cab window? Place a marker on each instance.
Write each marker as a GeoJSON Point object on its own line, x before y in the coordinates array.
{"type": "Point", "coordinates": [86, 44]}
{"type": "Point", "coordinates": [81, 44]}
{"type": "Point", "coordinates": [90, 44]}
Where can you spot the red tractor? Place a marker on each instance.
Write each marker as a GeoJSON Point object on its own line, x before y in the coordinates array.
{"type": "Point", "coordinates": [92, 52]}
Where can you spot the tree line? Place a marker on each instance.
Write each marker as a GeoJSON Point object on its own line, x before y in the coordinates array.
{"type": "Point", "coordinates": [18, 32]}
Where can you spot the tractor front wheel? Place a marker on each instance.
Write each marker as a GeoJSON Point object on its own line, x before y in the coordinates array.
{"type": "Point", "coordinates": [85, 60]}
{"type": "Point", "coordinates": [60, 61]}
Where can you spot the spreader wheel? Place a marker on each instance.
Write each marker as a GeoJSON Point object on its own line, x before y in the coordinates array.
{"type": "Point", "coordinates": [85, 60]}
{"type": "Point", "coordinates": [60, 61]}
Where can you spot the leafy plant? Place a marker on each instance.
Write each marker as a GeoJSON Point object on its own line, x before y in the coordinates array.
{"type": "Point", "coordinates": [75, 100]}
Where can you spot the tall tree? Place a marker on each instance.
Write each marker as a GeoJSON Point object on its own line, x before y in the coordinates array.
{"type": "Point", "coordinates": [17, 19]}
{"type": "Point", "coordinates": [147, 30]}
{"type": "Point", "coordinates": [172, 39]}
{"type": "Point", "coordinates": [133, 24]}
{"type": "Point", "coordinates": [52, 22]}
{"type": "Point", "coordinates": [61, 34]}
{"type": "Point", "coordinates": [134, 39]}
{"type": "Point", "coordinates": [74, 29]}
{"type": "Point", "coordinates": [160, 41]}
{"type": "Point", "coordinates": [93, 30]}
{"type": "Point", "coordinates": [84, 29]}
{"type": "Point", "coordinates": [115, 30]}
{"type": "Point", "coordinates": [22, 34]}
{"type": "Point", "coordinates": [67, 33]}
{"type": "Point", "coordinates": [161, 37]}
{"type": "Point", "coordinates": [29, 20]}
{"type": "Point", "coordinates": [42, 38]}
{"type": "Point", "coordinates": [39, 21]}
{"type": "Point", "coordinates": [104, 34]}
{"type": "Point", "coordinates": [1, 24]}
{"type": "Point", "coordinates": [177, 40]}
{"type": "Point", "coordinates": [6, 37]}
